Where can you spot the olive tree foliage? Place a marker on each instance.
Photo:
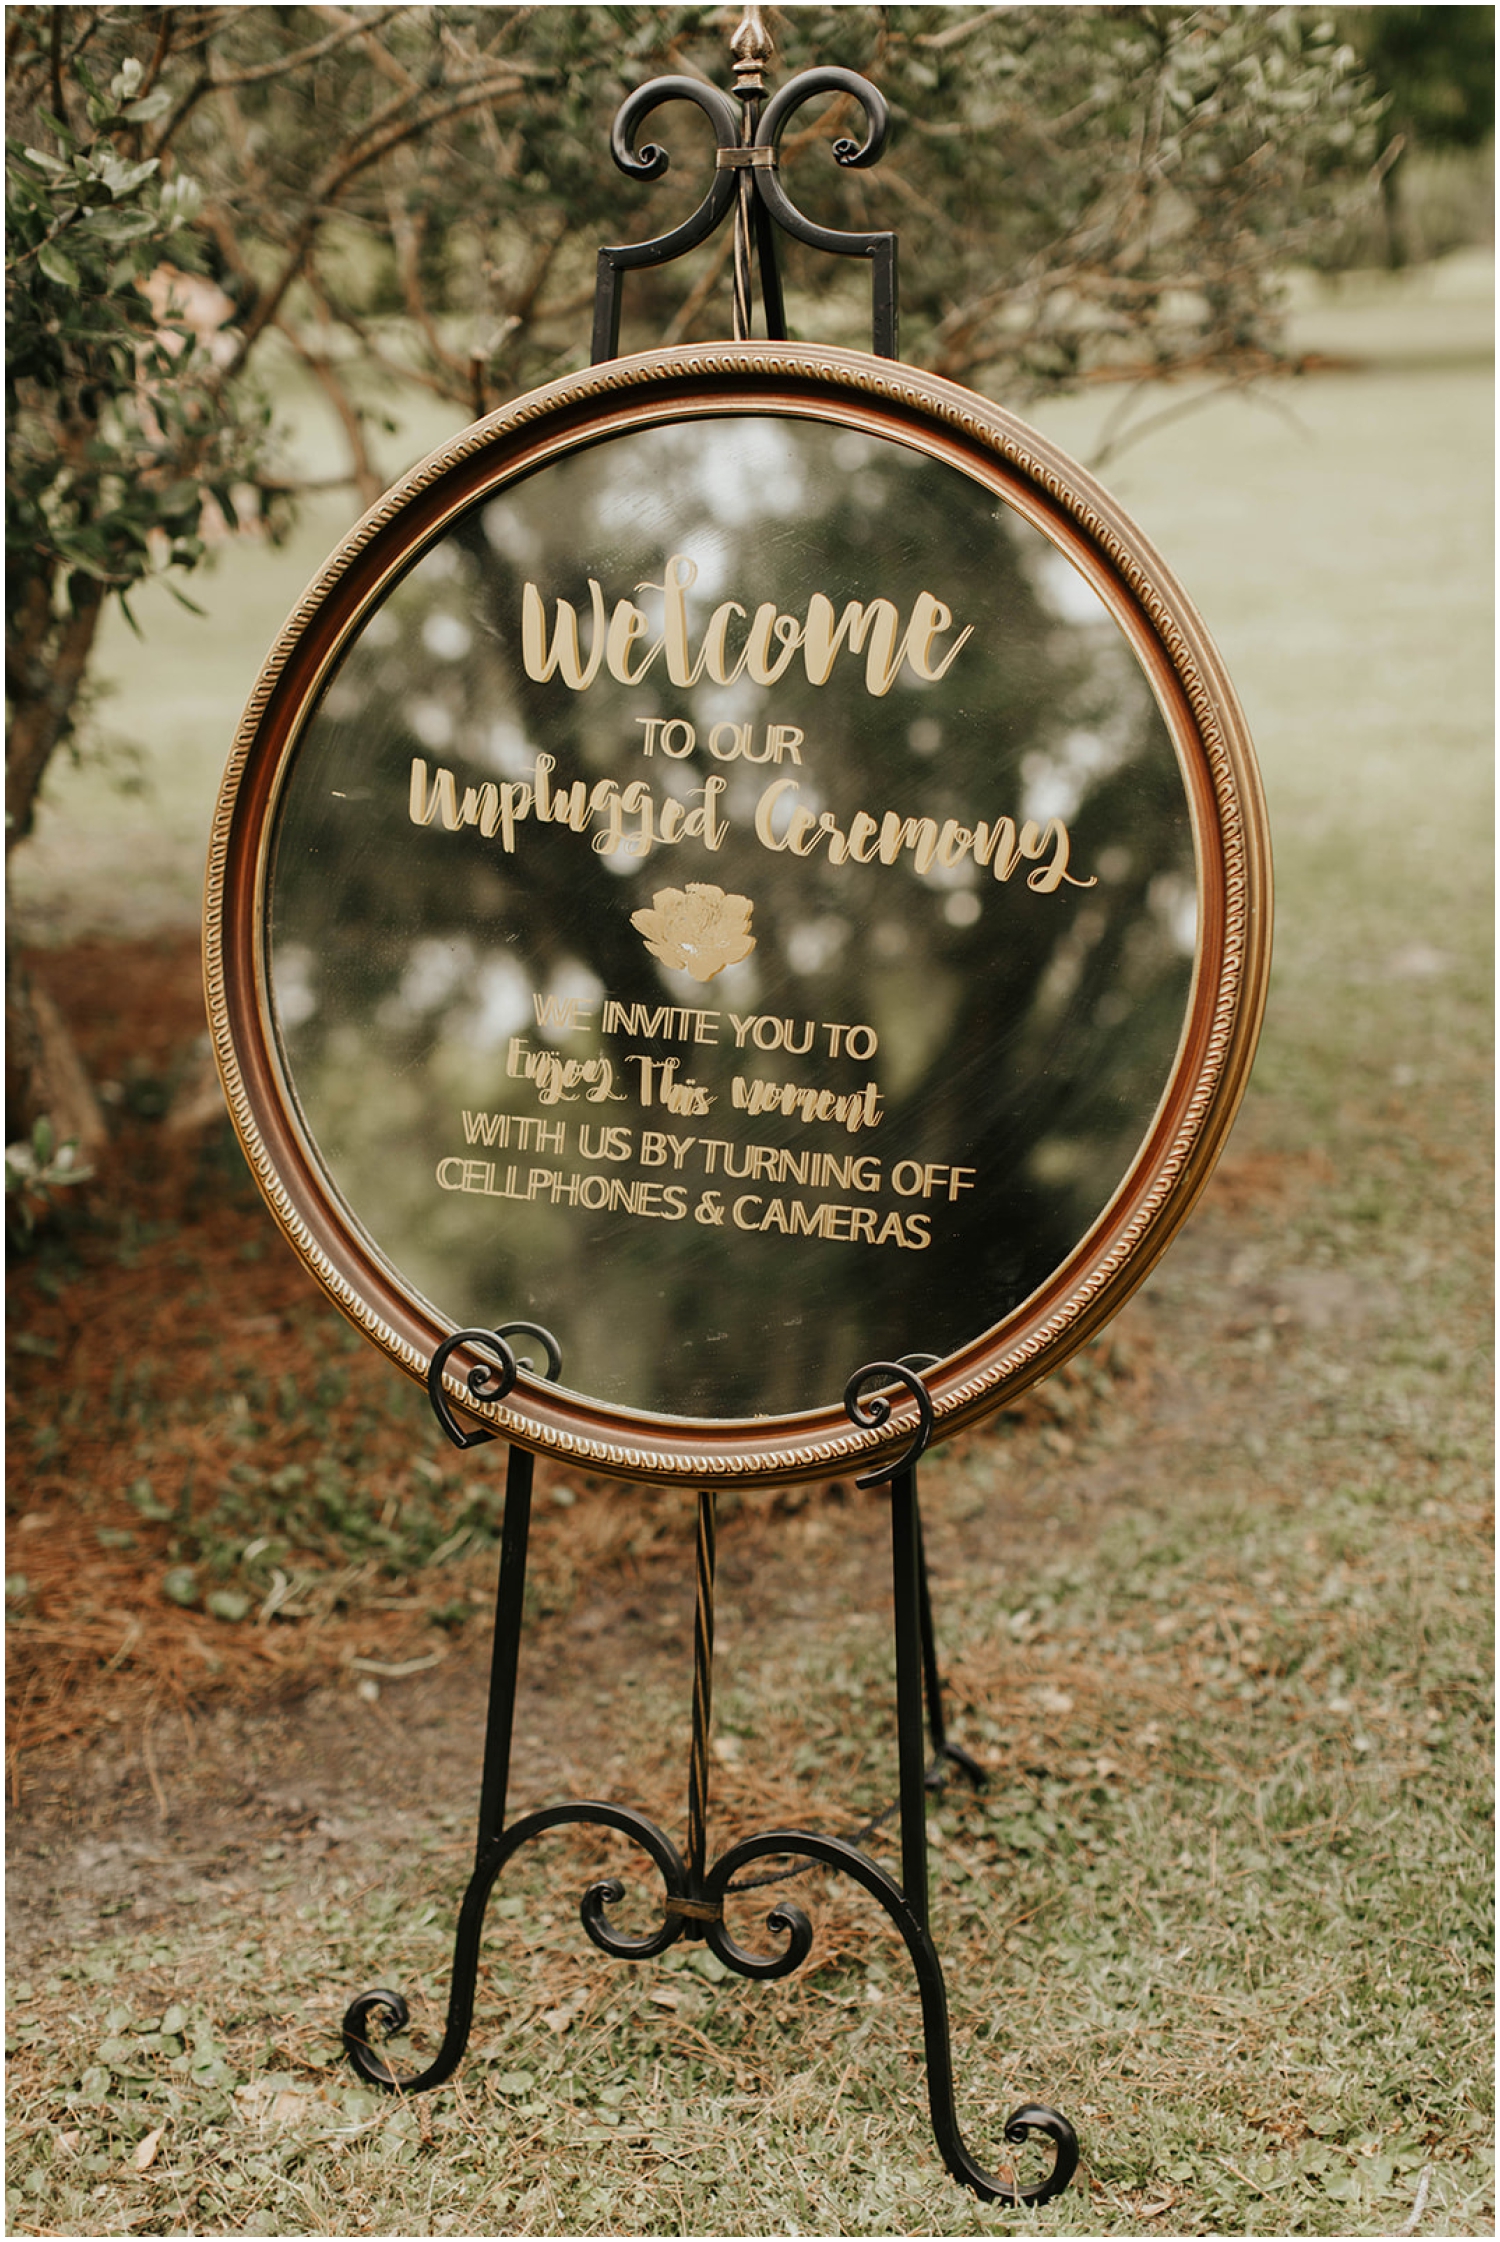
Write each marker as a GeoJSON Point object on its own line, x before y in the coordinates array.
{"type": "Point", "coordinates": [401, 197]}
{"type": "Point", "coordinates": [414, 196]}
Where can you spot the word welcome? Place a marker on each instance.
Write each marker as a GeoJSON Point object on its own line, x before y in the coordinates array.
{"type": "Point", "coordinates": [623, 643]}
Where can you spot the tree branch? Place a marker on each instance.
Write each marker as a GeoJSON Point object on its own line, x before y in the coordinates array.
{"type": "Point", "coordinates": [406, 235]}
{"type": "Point", "coordinates": [260, 73]}
{"type": "Point", "coordinates": [362, 468]}
{"type": "Point", "coordinates": [42, 716]}
{"type": "Point", "coordinates": [325, 193]}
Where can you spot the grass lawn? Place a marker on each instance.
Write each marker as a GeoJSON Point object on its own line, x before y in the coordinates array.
{"type": "Point", "coordinates": [1214, 1604]}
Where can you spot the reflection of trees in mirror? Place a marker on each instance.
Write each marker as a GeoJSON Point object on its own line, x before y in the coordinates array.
{"type": "Point", "coordinates": [1019, 1034]}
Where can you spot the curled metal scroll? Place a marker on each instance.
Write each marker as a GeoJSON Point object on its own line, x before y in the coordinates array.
{"type": "Point", "coordinates": [871, 1414]}
{"type": "Point", "coordinates": [389, 2009]}
{"type": "Point", "coordinates": [785, 1919]}
{"type": "Point", "coordinates": [650, 162]}
{"type": "Point", "coordinates": [487, 1381]}
{"type": "Point", "coordinates": [753, 159]}
{"type": "Point", "coordinates": [835, 1853]}
{"type": "Point", "coordinates": [852, 154]}
{"type": "Point", "coordinates": [849, 155]}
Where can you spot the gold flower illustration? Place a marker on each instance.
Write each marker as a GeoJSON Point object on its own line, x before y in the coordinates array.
{"type": "Point", "coordinates": [698, 930]}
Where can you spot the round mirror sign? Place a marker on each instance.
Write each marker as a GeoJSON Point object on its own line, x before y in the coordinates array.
{"type": "Point", "coordinates": [746, 859]}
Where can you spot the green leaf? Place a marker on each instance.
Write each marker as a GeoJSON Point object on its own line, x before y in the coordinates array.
{"type": "Point", "coordinates": [152, 105]}
{"type": "Point", "coordinates": [123, 225]}
{"type": "Point", "coordinates": [125, 181]}
{"type": "Point", "coordinates": [180, 1586]}
{"type": "Point", "coordinates": [55, 124]}
{"type": "Point", "coordinates": [56, 266]}
{"type": "Point", "coordinates": [229, 1604]}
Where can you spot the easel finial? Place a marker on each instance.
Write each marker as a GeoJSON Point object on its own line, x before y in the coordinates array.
{"type": "Point", "coordinates": [752, 47]}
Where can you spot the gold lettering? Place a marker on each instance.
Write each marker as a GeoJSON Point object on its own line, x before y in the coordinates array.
{"type": "Point", "coordinates": [765, 811]}
{"type": "Point", "coordinates": [422, 806]}
{"type": "Point", "coordinates": [564, 656]}
{"type": "Point", "coordinates": [714, 655]}
{"type": "Point", "coordinates": [997, 841]}
{"type": "Point", "coordinates": [823, 639]}
{"type": "Point", "coordinates": [1047, 877]}
{"type": "Point", "coordinates": [870, 628]}
{"type": "Point", "coordinates": [681, 575]}
{"type": "Point", "coordinates": [919, 834]}
{"type": "Point", "coordinates": [626, 625]}
{"type": "Point", "coordinates": [862, 835]}
{"type": "Point", "coordinates": [515, 804]}
{"type": "Point", "coordinates": [856, 1110]}
{"type": "Point", "coordinates": [763, 669]}
{"type": "Point", "coordinates": [929, 619]}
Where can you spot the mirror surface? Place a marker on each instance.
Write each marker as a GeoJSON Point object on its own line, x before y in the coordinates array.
{"type": "Point", "coordinates": [734, 903]}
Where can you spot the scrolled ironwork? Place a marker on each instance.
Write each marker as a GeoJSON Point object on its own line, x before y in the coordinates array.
{"type": "Point", "coordinates": [786, 1920]}
{"type": "Point", "coordinates": [592, 1913]}
{"type": "Point", "coordinates": [387, 2009]}
{"type": "Point", "coordinates": [875, 1412]}
{"type": "Point", "coordinates": [519, 1330]}
{"type": "Point", "coordinates": [390, 2008]}
{"type": "Point", "coordinates": [693, 1898]}
{"type": "Point", "coordinates": [850, 154]}
{"type": "Point", "coordinates": [650, 162]}
{"type": "Point", "coordinates": [1034, 2117]}
{"type": "Point", "coordinates": [486, 1381]}
{"type": "Point", "coordinates": [745, 178]}
{"type": "Point", "coordinates": [746, 175]}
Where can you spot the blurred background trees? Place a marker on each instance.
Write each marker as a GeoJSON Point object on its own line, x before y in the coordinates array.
{"type": "Point", "coordinates": [1434, 69]}
{"type": "Point", "coordinates": [408, 200]}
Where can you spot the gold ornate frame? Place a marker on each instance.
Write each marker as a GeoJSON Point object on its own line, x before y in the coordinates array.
{"type": "Point", "coordinates": [881, 398]}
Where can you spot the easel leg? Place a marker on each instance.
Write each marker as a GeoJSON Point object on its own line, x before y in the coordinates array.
{"type": "Point", "coordinates": [703, 1697]}
{"type": "Point", "coordinates": [693, 1891]}
{"type": "Point", "coordinates": [936, 1724]}
{"type": "Point", "coordinates": [505, 1653]}
{"type": "Point", "coordinates": [390, 2007]}
{"type": "Point", "coordinates": [906, 1582]}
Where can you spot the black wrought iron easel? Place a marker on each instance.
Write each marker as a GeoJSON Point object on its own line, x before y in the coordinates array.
{"type": "Point", "coordinates": [694, 1887]}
